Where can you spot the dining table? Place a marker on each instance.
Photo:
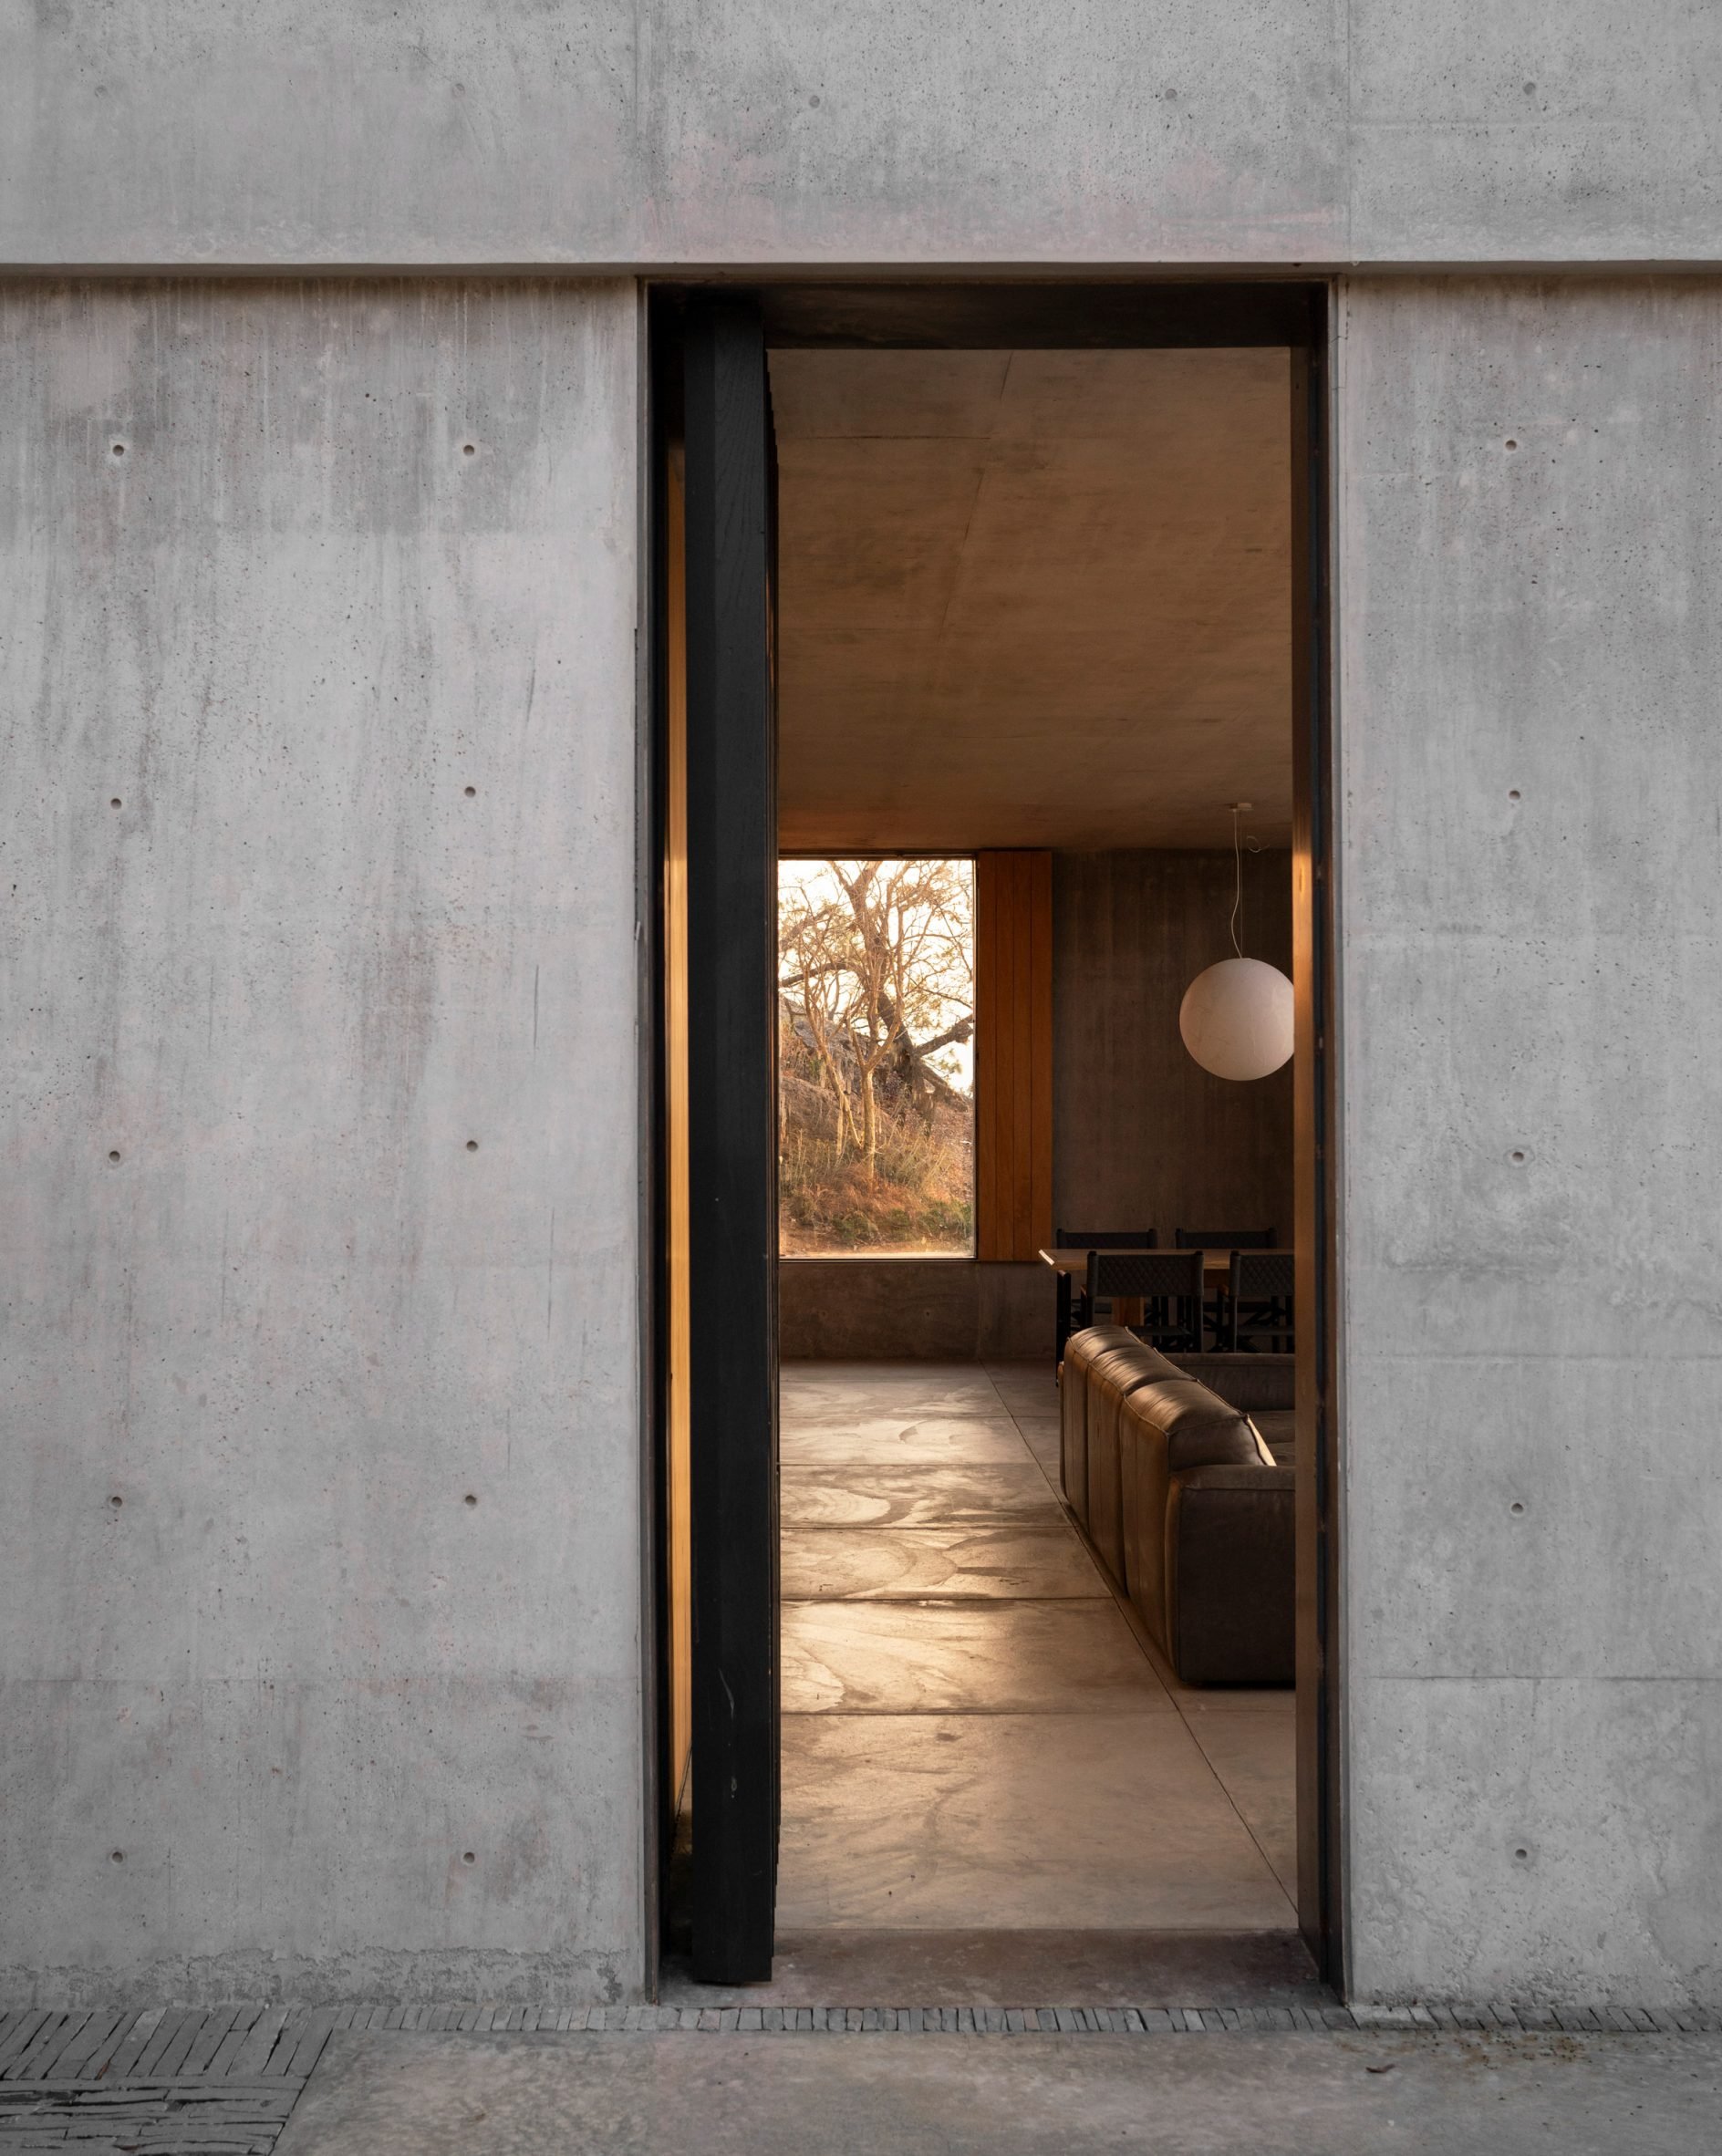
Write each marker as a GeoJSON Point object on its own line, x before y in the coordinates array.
{"type": "Point", "coordinates": [1075, 1262]}
{"type": "Point", "coordinates": [1072, 1268]}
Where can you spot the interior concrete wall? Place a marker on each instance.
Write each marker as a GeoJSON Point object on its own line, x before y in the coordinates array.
{"type": "Point", "coordinates": [319, 1557]}
{"type": "Point", "coordinates": [940, 1310]}
{"type": "Point", "coordinates": [1530, 551]}
{"type": "Point", "coordinates": [614, 132]}
{"type": "Point", "coordinates": [1142, 1135]}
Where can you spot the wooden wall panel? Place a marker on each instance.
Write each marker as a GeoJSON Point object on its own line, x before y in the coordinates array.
{"type": "Point", "coordinates": [679, 1536]}
{"type": "Point", "coordinates": [1013, 1053]}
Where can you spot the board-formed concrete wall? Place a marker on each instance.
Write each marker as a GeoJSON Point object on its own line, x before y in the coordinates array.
{"type": "Point", "coordinates": [1530, 623]}
{"type": "Point", "coordinates": [1142, 1135]}
{"type": "Point", "coordinates": [611, 133]}
{"type": "Point", "coordinates": [319, 1557]}
{"type": "Point", "coordinates": [936, 1310]}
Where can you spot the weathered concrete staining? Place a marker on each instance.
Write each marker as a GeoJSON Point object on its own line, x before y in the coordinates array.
{"type": "Point", "coordinates": [1530, 529]}
{"type": "Point", "coordinates": [617, 132]}
{"type": "Point", "coordinates": [319, 1562]}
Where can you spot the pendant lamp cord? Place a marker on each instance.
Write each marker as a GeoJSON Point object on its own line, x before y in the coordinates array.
{"type": "Point", "coordinates": [1237, 884]}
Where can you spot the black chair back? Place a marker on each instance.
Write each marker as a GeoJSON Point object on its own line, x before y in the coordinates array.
{"type": "Point", "coordinates": [1225, 1238]}
{"type": "Point", "coordinates": [1169, 1284]}
{"type": "Point", "coordinates": [1260, 1304]}
{"type": "Point", "coordinates": [1076, 1307]}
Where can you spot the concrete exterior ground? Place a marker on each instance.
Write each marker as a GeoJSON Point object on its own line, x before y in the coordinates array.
{"type": "Point", "coordinates": [1306, 2094]}
{"type": "Point", "coordinates": [322, 1571]}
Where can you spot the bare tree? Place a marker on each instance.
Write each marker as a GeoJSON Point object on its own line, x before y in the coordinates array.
{"type": "Point", "coordinates": [877, 976]}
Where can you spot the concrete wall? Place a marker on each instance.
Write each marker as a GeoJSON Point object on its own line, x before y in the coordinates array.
{"type": "Point", "coordinates": [1530, 524]}
{"type": "Point", "coordinates": [319, 854]}
{"type": "Point", "coordinates": [940, 1310]}
{"type": "Point", "coordinates": [613, 133]}
{"type": "Point", "coordinates": [1142, 1135]}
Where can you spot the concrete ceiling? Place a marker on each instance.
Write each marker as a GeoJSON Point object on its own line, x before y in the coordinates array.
{"type": "Point", "coordinates": [1033, 598]}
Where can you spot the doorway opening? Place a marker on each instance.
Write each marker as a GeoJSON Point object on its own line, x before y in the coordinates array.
{"type": "Point", "coordinates": [992, 714]}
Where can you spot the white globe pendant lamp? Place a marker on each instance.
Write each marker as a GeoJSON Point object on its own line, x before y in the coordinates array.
{"type": "Point", "coordinates": [1237, 1017]}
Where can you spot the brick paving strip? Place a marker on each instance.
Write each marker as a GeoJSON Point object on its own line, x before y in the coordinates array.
{"type": "Point", "coordinates": [195, 2081]}
{"type": "Point", "coordinates": [169, 2081]}
{"type": "Point", "coordinates": [1009, 2021]}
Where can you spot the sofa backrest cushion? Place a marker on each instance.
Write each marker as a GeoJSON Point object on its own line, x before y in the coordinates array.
{"type": "Point", "coordinates": [1200, 1429]}
{"type": "Point", "coordinates": [1248, 1382]}
{"type": "Point", "coordinates": [1082, 1351]}
{"type": "Point", "coordinates": [1113, 1379]}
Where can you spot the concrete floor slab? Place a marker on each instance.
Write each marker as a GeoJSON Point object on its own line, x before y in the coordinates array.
{"type": "Point", "coordinates": [819, 1563]}
{"type": "Point", "coordinates": [950, 1388]}
{"type": "Point", "coordinates": [906, 1437]}
{"type": "Point", "coordinates": [1042, 1435]}
{"type": "Point", "coordinates": [1035, 1396]}
{"type": "Point", "coordinates": [1335, 2094]}
{"type": "Point", "coordinates": [1013, 1658]}
{"type": "Point", "coordinates": [1254, 1757]}
{"type": "Point", "coordinates": [863, 1496]}
{"type": "Point", "coordinates": [977, 1736]}
{"type": "Point", "coordinates": [1060, 1821]}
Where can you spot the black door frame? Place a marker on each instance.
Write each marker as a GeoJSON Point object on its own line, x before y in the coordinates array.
{"type": "Point", "coordinates": [997, 315]}
{"type": "Point", "coordinates": [708, 389]}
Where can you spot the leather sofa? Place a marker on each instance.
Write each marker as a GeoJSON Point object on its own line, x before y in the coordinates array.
{"type": "Point", "coordinates": [1190, 1510]}
{"type": "Point", "coordinates": [1103, 1365]}
{"type": "Point", "coordinates": [1265, 1387]}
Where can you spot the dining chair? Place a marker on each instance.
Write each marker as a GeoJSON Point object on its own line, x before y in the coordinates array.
{"type": "Point", "coordinates": [1259, 1304]}
{"type": "Point", "coordinates": [1169, 1284]}
{"type": "Point", "coordinates": [1222, 1239]}
{"type": "Point", "coordinates": [1076, 1310]}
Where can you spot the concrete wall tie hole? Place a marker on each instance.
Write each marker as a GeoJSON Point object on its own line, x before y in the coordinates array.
{"type": "Point", "coordinates": [1512, 444]}
{"type": "Point", "coordinates": [1517, 1157]}
{"type": "Point", "coordinates": [1517, 1506]}
{"type": "Point", "coordinates": [471, 791]}
{"type": "Point", "coordinates": [472, 1145]}
{"type": "Point", "coordinates": [120, 449]}
{"type": "Point", "coordinates": [469, 449]}
{"type": "Point", "coordinates": [116, 1856]}
{"type": "Point", "coordinates": [469, 1499]}
{"type": "Point", "coordinates": [115, 801]}
{"type": "Point", "coordinates": [113, 1157]}
{"type": "Point", "coordinates": [115, 1502]}
{"type": "Point", "coordinates": [1512, 794]}
{"type": "Point", "coordinates": [469, 1856]}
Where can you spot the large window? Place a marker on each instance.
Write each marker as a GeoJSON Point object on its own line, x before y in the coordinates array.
{"type": "Point", "coordinates": [876, 1062]}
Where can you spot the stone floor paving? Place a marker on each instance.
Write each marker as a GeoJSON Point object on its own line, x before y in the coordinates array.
{"type": "Point", "coordinates": [976, 1733]}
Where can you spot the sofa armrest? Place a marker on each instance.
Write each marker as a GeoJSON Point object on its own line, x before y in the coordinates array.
{"type": "Point", "coordinates": [1231, 1576]}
